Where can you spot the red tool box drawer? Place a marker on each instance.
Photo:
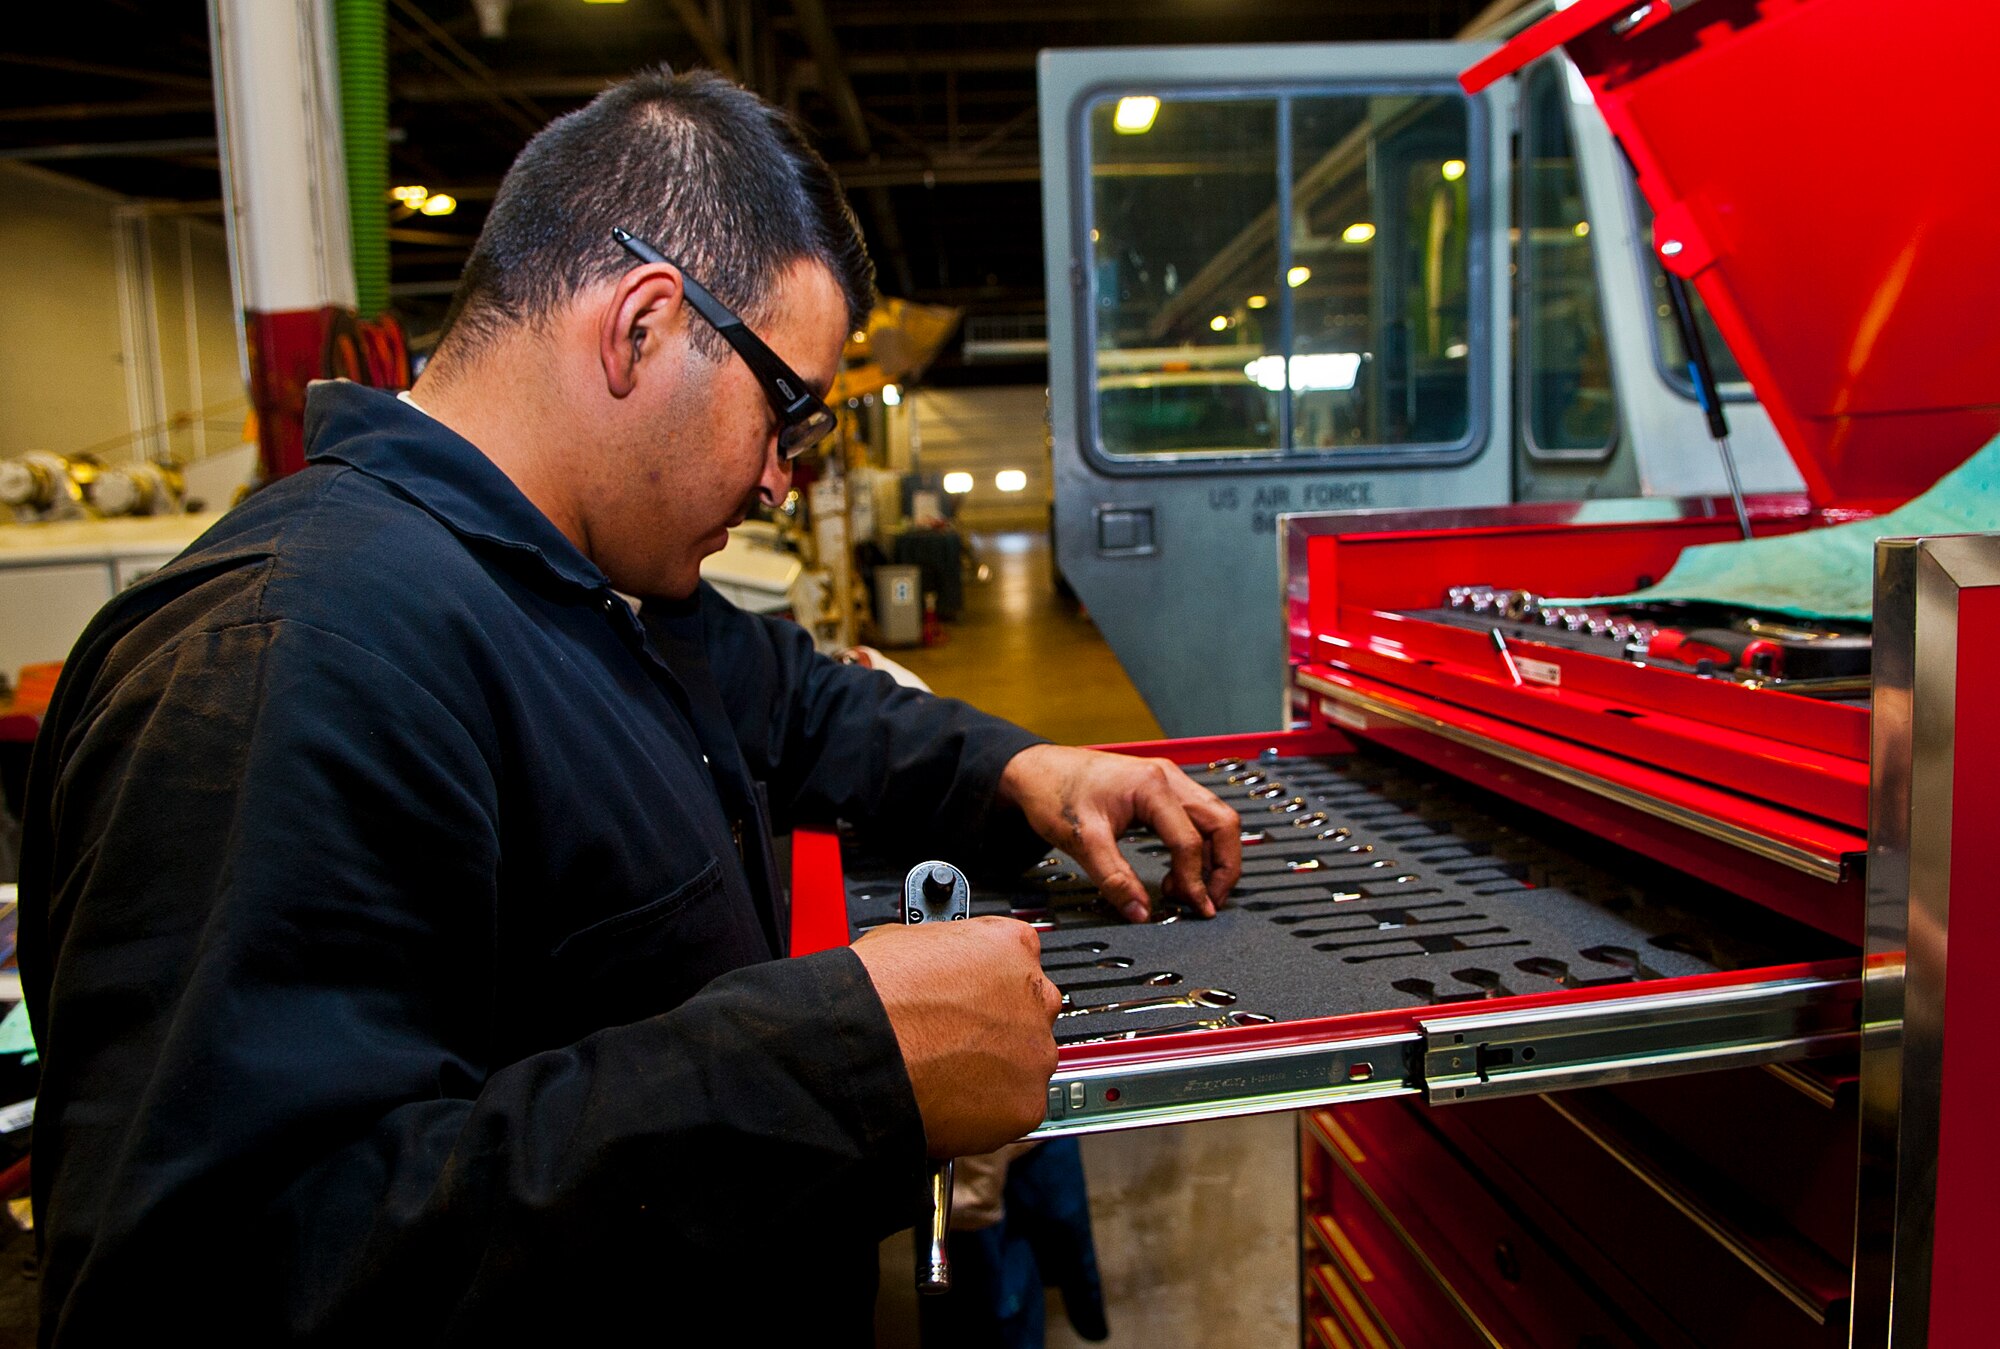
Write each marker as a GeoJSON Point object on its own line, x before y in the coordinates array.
{"type": "Point", "coordinates": [1391, 1205]}
{"type": "Point", "coordinates": [1396, 933]}
{"type": "Point", "coordinates": [1634, 1207]}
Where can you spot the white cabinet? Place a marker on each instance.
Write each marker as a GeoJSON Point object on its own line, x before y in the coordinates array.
{"type": "Point", "coordinates": [55, 577]}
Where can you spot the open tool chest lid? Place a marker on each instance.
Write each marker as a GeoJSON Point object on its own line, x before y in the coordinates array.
{"type": "Point", "coordinates": [1821, 173]}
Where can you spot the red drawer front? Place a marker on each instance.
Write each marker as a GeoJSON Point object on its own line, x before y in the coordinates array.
{"type": "Point", "coordinates": [1697, 1252]}
{"type": "Point", "coordinates": [1446, 1263]}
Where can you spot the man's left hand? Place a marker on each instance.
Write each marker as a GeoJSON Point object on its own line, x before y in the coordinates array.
{"type": "Point", "coordinates": [1081, 800]}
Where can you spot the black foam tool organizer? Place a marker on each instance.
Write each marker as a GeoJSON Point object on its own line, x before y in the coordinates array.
{"type": "Point", "coordinates": [1369, 882]}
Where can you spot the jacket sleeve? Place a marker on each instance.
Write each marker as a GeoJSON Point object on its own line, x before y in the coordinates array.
{"type": "Point", "coordinates": [265, 867]}
{"type": "Point", "coordinates": [837, 741]}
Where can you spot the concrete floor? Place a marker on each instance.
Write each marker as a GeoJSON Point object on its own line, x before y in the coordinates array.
{"type": "Point", "coordinates": [1196, 1225]}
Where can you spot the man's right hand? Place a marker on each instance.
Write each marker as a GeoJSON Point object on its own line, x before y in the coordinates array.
{"type": "Point", "coordinates": [974, 1017]}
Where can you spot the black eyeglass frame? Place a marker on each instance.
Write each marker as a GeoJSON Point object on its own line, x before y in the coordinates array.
{"type": "Point", "coordinates": [804, 419]}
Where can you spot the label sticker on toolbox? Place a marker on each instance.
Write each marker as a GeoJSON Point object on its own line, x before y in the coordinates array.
{"type": "Point", "coordinates": [1353, 718]}
{"type": "Point", "coordinates": [1539, 671]}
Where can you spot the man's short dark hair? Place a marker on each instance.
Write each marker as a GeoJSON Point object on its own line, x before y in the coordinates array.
{"type": "Point", "coordinates": [720, 180]}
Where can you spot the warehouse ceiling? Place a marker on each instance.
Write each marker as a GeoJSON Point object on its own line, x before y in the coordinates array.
{"type": "Point", "coordinates": [926, 108]}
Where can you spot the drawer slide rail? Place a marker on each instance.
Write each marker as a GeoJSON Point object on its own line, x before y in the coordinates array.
{"type": "Point", "coordinates": [1470, 1056]}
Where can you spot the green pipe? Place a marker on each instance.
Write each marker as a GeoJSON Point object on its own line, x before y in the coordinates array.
{"type": "Point", "coordinates": [360, 29]}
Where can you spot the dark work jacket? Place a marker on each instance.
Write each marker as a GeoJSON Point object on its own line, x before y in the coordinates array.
{"type": "Point", "coordinates": [399, 934]}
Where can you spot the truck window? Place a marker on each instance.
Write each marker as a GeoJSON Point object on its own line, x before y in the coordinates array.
{"type": "Point", "coordinates": [1566, 396]}
{"type": "Point", "coordinates": [1184, 234]}
{"type": "Point", "coordinates": [1380, 224]}
{"type": "Point", "coordinates": [1276, 276]}
{"type": "Point", "coordinates": [1667, 337]}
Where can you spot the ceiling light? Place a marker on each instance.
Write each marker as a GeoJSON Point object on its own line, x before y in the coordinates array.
{"type": "Point", "coordinates": [1454, 169]}
{"type": "Point", "coordinates": [439, 203]}
{"type": "Point", "coordinates": [1257, 301]}
{"type": "Point", "coordinates": [1218, 323]}
{"type": "Point", "coordinates": [1095, 236]}
{"type": "Point", "coordinates": [860, 335]}
{"type": "Point", "coordinates": [1582, 230]}
{"type": "Point", "coordinates": [1311, 372]}
{"type": "Point", "coordinates": [1134, 114]}
{"type": "Point", "coordinates": [411, 196]}
{"type": "Point", "coordinates": [958, 484]}
{"type": "Point", "coordinates": [603, 2]}
{"type": "Point", "coordinates": [1360, 232]}
{"type": "Point", "coordinates": [1010, 480]}
{"type": "Point", "coordinates": [891, 395]}
{"type": "Point", "coordinates": [1298, 276]}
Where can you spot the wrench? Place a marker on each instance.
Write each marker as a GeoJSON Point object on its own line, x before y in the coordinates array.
{"type": "Point", "coordinates": [1107, 963]}
{"type": "Point", "coordinates": [1356, 874]}
{"type": "Point", "coordinates": [1341, 859]}
{"type": "Point", "coordinates": [936, 892]}
{"type": "Point", "coordinates": [1194, 997]}
{"type": "Point", "coordinates": [1428, 946]}
{"type": "Point", "coordinates": [1177, 1028]}
{"type": "Point", "coordinates": [1385, 920]}
{"type": "Point", "coordinates": [1157, 979]}
{"type": "Point", "coordinates": [1081, 947]}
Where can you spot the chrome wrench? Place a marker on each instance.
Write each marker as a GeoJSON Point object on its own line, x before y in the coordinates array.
{"type": "Point", "coordinates": [936, 892]}
{"type": "Point", "coordinates": [1194, 997]}
{"type": "Point", "coordinates": [1233, 1019]}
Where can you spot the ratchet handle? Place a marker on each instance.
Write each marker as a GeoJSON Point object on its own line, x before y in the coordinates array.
{"type": "Point", "coordinates": [935, 892]}
{"type": "Point", "coordinates": [934, 1237]}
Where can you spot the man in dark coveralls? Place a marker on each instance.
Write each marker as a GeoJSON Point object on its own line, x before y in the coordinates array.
{"type": "Point", "coordinates": [398, 919]}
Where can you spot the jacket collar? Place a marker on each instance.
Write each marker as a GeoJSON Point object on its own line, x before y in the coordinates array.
{"type": "Point", "coordinates": [374, 432]}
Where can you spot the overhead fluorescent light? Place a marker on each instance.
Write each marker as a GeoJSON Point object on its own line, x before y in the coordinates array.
{"type": "Point", "coordinates": [1010, 480]}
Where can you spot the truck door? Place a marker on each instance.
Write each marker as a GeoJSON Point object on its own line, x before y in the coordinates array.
{"type": "Point", "coordinates": [1278, 282]}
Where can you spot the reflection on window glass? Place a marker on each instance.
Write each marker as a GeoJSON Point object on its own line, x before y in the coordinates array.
{"type": "Point", "coordinates": [1380, 229]}
{"type": "Point", "coordinates": [1184, 209]}
{"type": "Point", "coordinates": [1673, 353]}
{"type": "Point", "coordinates": [1568, 374]}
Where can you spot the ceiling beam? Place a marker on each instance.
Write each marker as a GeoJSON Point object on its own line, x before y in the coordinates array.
{"type": "Point", "coordinates": [164, 149]}
{"type": "Point", "coordinates": [939, 62]}
{"type": "Point", "coordinates": [703, 35]}
{"type": "Point", "coordinates": [817, 30]}
{"type": "Point", "coordinates": [80, 112]}
{"type": "Point", "coordinates": [884, 174]}
{"type": "Point", "coordinates": [449, 55]}
{"type": "Point", "coordinates": [160, 77]}
{"type": "Point", "coordinates": [440, 89]}
{"type": "Point", "coordinates": [835, 84]}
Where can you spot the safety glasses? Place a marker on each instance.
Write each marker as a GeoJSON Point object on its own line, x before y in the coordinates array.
{"type": "Point", "coordinates": [804, 420]}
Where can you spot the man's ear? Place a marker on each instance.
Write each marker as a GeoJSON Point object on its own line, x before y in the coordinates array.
{"type": "Point", "coordinates": [644, 312]}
